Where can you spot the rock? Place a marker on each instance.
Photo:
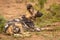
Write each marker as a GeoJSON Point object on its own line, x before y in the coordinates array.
{"type": "Point", "coordinates": [18, 35]}
{"type": "Point", "coordinates": [26, 34]}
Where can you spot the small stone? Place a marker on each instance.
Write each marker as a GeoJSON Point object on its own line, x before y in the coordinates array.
{"type": "Point", "coordinates": [18, 35]}
{"type": "Point", "coordinates": [26, 34]}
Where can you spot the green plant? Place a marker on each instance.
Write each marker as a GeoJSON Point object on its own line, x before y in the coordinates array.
{"type": "Point", "coordinates": [49, 17]}
{"type": "Point", "coordinates": [41, 3]}
{"type": "Point", "coordinates": [55, 8]}
{"type": "Point", "coordinates": [31, 0]}
{"type": "Point", "coordinates": [2, 22]}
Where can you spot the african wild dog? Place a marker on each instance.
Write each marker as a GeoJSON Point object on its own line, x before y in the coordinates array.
{"type": "Point", "coordinates": [14, 26]}
{"type": "Point", "coordinates": [24, 22]}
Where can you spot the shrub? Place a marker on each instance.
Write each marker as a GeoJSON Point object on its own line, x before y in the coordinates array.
{"type": "Point", "coordinates": [31, 0]}
{"type": "Point", "coordinates": [56, 9]}
{"type": "Point", "coordinates": [41, 3]}
{"type": "Point", "coordinates": [49, 17]}
{"type": "Point", "coordinates": [2, 22]}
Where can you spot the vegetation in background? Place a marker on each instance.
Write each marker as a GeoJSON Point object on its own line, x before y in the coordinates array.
{"type": "Point", "coordinates": [2, 22]}
{"type": "Point", "coordinates": [56, 9]}
{"type": "Point", "coordinates": [51, 16]}
{"type": "Point", "coordinates": [41, 3]}
{"type": "Point", "coordinates": [31, 0]}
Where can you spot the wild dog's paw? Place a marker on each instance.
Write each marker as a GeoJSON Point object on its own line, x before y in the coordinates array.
{"type": "Point", "coordinates": [37, 29]}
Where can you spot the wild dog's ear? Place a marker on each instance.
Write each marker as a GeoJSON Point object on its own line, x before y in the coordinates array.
{"type": "Point", "coordinates": [30, 8]}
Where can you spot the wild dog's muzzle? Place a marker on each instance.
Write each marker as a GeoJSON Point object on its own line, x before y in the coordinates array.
{"type": "Point", "coordinates": [38, 14]}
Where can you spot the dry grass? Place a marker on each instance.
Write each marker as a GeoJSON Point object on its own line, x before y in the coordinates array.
{"type": "Point", "coordinates": [11, 9]}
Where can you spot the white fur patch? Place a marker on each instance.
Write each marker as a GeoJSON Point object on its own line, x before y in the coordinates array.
{"type": "Point", "coordinates": [17, 20]}
{"type": "Point", "coordinates": [6, 26]}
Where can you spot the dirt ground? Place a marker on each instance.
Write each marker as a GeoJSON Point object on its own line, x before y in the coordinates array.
{"type": "Point", "coordinates": [15, 8]}
{"type": "Point", "coordinates": [11, 9]}
{"type": "Point", "coordinates": [46, 35]}
{"type": "Point", "coordinates": [43, 35]}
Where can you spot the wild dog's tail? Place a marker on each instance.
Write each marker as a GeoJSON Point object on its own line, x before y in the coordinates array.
{"type": "Point", "coordinates": [7, 26]}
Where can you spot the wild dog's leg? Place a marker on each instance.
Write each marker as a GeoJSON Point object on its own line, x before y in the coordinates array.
{"type": "Point", "coordinates": [9, 30]}
{"type": "Point", "coordinates": [19, 25]}
{"type": "Point", "coordinates": [6, 27]}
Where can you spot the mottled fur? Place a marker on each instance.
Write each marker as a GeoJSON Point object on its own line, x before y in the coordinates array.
{"type": "Point", "coordinates": [25, 21]}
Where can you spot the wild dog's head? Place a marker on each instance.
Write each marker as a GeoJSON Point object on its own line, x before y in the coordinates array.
{"type": "Point", "coordinates": [38, 14]}
{"type": "Point", "coordinates": [33, 12]}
